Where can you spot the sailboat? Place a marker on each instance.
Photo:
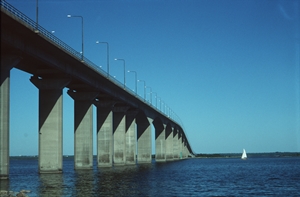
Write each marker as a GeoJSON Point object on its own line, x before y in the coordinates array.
{"type": "Point", "coordinates": [244, 155]}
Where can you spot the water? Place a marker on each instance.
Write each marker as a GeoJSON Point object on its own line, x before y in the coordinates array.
{"type": "Point", "coordinates": [190, 177]}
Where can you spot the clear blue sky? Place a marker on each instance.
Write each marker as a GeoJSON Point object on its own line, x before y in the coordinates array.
{"type": "Point", "coordinates": [229, 69]}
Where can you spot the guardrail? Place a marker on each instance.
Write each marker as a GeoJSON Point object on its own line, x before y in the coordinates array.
{"type": "Point", "coordinates": [18, 15]}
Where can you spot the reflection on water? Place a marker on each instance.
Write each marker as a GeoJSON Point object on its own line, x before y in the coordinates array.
{"type": "Point", "coordinates": [84, 182]}
{"type": "Point", "coordinates": [4, 186]}
{"type": "Point", "coordinates": [132, 180]}
{"type": "Point", "coordinates": [123, 180]}
{"type": "Point", "coordinates": [50, 185]}
{"type": "Point", "coordinates": [191, 177]}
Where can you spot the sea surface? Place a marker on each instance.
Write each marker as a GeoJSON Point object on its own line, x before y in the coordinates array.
{"type": "Point", "coordinates": [189, 177]}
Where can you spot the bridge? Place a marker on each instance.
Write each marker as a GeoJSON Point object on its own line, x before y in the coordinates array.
{"type": "Point", "coordinates": [124, 119]}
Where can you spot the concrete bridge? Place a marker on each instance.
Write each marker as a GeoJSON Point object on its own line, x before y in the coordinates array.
{"type": "Point", "coordinates": [123, 118]}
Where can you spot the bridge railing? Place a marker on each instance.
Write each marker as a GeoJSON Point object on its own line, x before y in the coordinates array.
{"type": "Point", "coordinates": [28, 22]}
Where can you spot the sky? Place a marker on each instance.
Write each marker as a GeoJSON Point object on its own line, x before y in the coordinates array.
{"type": "Point", "coordinates": [229, 69]}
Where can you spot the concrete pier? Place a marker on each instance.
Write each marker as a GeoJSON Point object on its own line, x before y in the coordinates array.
{"type": "Point", "coordinates": [169, 143]}
{"type": "Point", "coordinates": [130, 137]}
{"type": "Point", "coordinates": [175, 145]}
{"type": "Point", "coordinates": [83, 126]}
{"type": "Point", "coordinates": [50, 122]}
{"type": "Point", "coordinates": [184, 152]}
{"type": "Point", "coordinates": [119, 130]}
{"type": "Point", "coordinates": [7, 63]}
{"type": "Point", "coordinates": [144, 146]}
{"type": "Point", "coordinates": [160, 141]}
{"type": "Point", "coordinates": [180, 144]}
{"type": "Point", "coordinates": [104, 133]}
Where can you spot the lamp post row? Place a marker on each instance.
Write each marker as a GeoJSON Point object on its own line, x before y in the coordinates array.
{"type": "Point", "coordinates": [124, 65]}
{"type": "Point", "coordinates": [170, 112]}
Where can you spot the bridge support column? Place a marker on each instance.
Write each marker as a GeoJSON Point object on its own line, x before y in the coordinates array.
{"type": "Point", "coordinates": [187, 151]}
{"type": "Point", "coordinates": [169, 143]}
{"type": "Point", "coordinates": [119, 130]}
{"type": "Point", "coordinates": [50, 123]}
{"type": "Point", "coordinates": [180, 144]}
{"type": "Point", "coordinates": [7, 63]}
{"type": "Point", "coordinates": [104, 133]}
{"type": "Point", "coordinates": [83, 126]}
{"type": "Point", "coordinates": [175, 145]}
{"type": "Point", "coordinates": [130, 138]}
{"type": "Point", "coordinates": [144, 149]}
{"type": "Point", "coordinates": [160, 142]}
{"type": "Point", "coordinates": [184, 149]}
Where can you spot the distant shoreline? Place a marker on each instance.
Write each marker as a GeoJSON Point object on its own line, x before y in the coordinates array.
{"type": "Point", "coordinates": [253, 155]}
{"type": "Point", "coordinates": [208, 155]}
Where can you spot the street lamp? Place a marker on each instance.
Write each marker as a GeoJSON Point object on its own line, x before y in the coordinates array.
{"type": "Point", "coordinates": [131, 71]}
{"type": "Point", "coordinates": [166, 110]}
{"type": "Point", "coordinates": [107, 55]}
{"type": "Point", "coordinates": [144, 88]}
{"type": "Point", "coordinates": [71, 16]}
{"type": "Point", "coordinates": [163, 108]}
{"type": "Point", "coordinates": [37, 17]}
{"type": "Point", "coordinates": [124, 69]}
{"type": "Point", "coordinates": [159, 103]}
{"type": "Point", "coordinates": [155, 98]}
{"type": "Point", "coordinates": [150, 95]}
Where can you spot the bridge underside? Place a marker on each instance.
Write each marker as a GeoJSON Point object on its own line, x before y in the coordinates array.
{"type": "Point", "coordinates": [123, 133]}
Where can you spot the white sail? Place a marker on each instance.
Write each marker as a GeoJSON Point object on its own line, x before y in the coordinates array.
{"type": "Point", "coordinates": [244, 155]}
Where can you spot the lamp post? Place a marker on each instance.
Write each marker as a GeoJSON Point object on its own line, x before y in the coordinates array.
{"type": "Point", "coordinates": [150, 95]}
{"type": "Point", "coordinates": [163, 108]}
{"type": "Point", "coordinates": [167, 110]}
{"type": "Point", "coordinates": [131, 71]}
{"type": "Point", "coordinates": [159, 103]}
{"type": "Point", "coordinates": [155, 98]}
{"type": "Point", "coordinates": [144, 88]}
{"type": "Point", "coordinates": [37, 17]}
{"type": "Point", "coordinates": [124, 70]}
{"type": "Point", "coordinates": [71, 16]}
{"type": "Point", "coordinates": [107, 55]}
